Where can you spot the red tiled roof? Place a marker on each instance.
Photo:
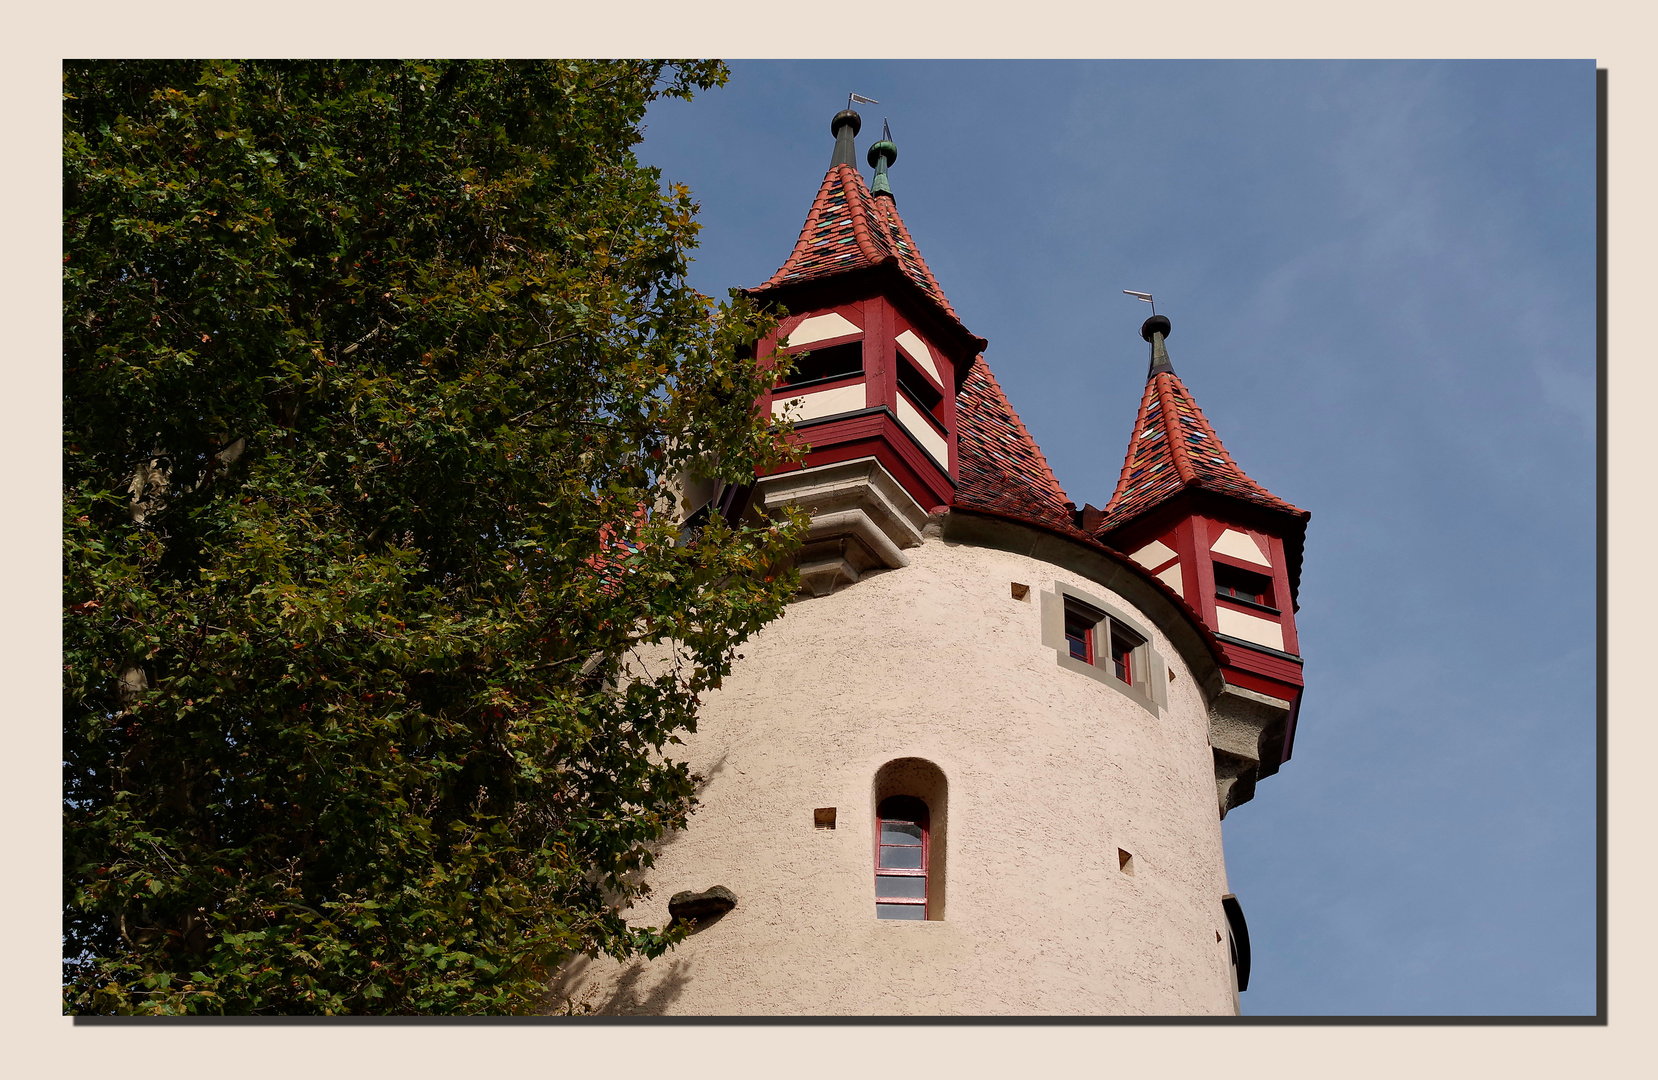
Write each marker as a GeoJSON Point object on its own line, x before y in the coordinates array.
{"type": "Point", "coordinates": [848, 228]}
{"type": "Point", "coordinates": [1004, 473]}
{"type": "Point", "coordinates": [1173, 447]}
{"type": "Point", "coordinates": [1001, 469]}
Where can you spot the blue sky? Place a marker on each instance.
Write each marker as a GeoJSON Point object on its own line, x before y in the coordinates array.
{"type": "Point", "coordinates": [1381, 283]}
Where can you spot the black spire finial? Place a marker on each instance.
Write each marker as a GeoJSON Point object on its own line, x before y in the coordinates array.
{"type": "Point", "coordinates": [1154, 330]}
{"type": "Point", "coordinates": [844, 127]}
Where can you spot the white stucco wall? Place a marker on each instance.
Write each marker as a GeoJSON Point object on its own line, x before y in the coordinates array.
{"type": "Point", "coordinates": [1049, 773]}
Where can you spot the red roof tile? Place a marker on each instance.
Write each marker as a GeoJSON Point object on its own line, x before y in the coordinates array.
{"type": "Point", "coordinates": [848, 228]}
{"type": "Point", "coordinates": [1001, 469]}
{"type": "Point", "coordinates": [1004, 473]}
{"type": "Point", "coordinates": [1172, 448]}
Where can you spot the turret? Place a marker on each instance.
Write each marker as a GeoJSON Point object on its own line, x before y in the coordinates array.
{"type": "Point", "coordinates": [879, 357]}
{"type": "Point", "coordinates": [1185, 511]}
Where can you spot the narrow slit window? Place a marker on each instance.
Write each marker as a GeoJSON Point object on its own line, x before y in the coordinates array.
{"type": "Point", "coordinates": [901, 858]}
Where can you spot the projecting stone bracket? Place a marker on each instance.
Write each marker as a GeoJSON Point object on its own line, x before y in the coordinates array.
{"type": "Point", "coordinates": [861, 520]}
{"type": "Point", "coordinates": [696, 906]}
{"type": "Point", "coordinates": [1246, 733]}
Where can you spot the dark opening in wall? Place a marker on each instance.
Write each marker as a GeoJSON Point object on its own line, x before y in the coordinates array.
{"type": "Point", "coordinates": [835, 362]}
{"type": "Point", "coordinates": [1238, 584]}
{"type": "Point", "coordinates": [1240, 938]}
{"type": "Point", "coordinates": [915, 384]}
{"type": "Point", "coordinates": [824, 817]}
{"type": "Point", "coordinates": [1125, 862]}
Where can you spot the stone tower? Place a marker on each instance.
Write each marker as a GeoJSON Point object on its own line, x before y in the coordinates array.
{"type": "Point", "coordinates": [979, 767]}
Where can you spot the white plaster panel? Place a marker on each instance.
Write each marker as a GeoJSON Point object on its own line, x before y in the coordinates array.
{"type": "Point", "coordinates": [1240, 545]}
{"type": "Point", "coordinates": [821, 328]}
{"type": "Point", "coordinates": [1171, 577]}
{"type": "Point", "coordinates": [838, 399]}
{"type": "Point", "coordinates": [917, 425]}
{"type": "Point", "coordinates": [1153, 555]}
{"type": "Point", "coordinates": [1048, 773]}
{"type": "Point", "coordinates": [918, 351]}
{"type": "Point", "coordinates": [1249, 627]}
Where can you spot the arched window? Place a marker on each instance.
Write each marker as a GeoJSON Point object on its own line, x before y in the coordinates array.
{"type": "Point", "coordinates": [901, 858]}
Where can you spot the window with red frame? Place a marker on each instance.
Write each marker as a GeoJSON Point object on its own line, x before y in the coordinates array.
{"type": "Point", "coordinates": [901, 858]}
{"type": "Point", "coordinates": [1238, 584]}
{"type": "Point", "coordinates": [1080, 622]}
{"type": "Point", "coordinates": [1123, 644]}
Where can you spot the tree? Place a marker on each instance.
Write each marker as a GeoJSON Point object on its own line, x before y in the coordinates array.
{"type": "Point", "coordinates": [373, 373]}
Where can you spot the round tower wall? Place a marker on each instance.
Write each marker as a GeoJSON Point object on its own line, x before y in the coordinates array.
{"type": "Point", "coordinates": [1046, 778]}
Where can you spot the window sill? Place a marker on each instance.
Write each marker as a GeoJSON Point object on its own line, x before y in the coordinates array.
{"type": "Point", "coordinates": [1099, 674]}
{"type": "Point", "coordinates": [787, 390]}
{"type": "Point", "coordinates": [1268, 649]}
{"type": "Point", "coordinates": [1250, 604]}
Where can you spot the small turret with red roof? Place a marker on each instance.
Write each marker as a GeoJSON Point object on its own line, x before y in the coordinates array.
{"type": "Point", "coordinates": [1184, 510]}
{"type": "Point", "coordinates": [888, 354]}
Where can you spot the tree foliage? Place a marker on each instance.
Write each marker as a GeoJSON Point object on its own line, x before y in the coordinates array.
{"type": "Point", "coordinates": [372, 374]}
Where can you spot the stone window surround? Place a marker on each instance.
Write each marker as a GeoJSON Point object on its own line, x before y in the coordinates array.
{"type": "Point", "coordinates": [1150, 687]}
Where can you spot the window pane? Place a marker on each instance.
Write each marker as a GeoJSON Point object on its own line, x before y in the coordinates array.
{"type": "Point", "coordinates": [837, 361]}
{"type": "Point", "coordinates": [901, 858]}
{"type": "Point", "coordinates": [900, 832]}
{"type": "Point", "coordinates": [918, 912]}
{"type": "Point", "coordinates": [1079, 647]}
{"type": "Point", "coordinates": [891, 885]}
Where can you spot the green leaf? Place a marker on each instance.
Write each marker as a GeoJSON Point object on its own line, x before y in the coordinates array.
{"type": "Point", "coordinates": [369, 368]}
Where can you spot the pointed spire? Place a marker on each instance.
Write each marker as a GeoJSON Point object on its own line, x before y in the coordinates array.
{"type": "Point", "coordinates": [1174, 448]}
{"type": "Point", "coordinates": [845, 127]}
{"type": "Point", "coordinates": [881, 155]}
{"type": "Point", "coordinates": [849, 230]}
{"type": "Point", "coordinates": [1155, 330]}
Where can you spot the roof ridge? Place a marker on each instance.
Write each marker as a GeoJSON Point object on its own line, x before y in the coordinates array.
{"type": "Point", "coordinates": [922, 274]}
{"type": "Point", "coordinates": [1133, 438]}
{"type": "Point", "coordinates": [1182, 459]}
{"type": "Point", "coordinates": [813, 223]}
{"type": "Point", "coordinates": [860, 211]}
{"type": "Point", "coordinates": [1221, 446]}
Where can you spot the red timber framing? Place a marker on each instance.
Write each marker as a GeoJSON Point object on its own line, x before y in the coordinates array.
{"type": "Point", "coordinates": [875, 430]}
{"type": "Point", "coordinates": [854, 258]}
{"type": "Point", "coordinates": [1190, 523]}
